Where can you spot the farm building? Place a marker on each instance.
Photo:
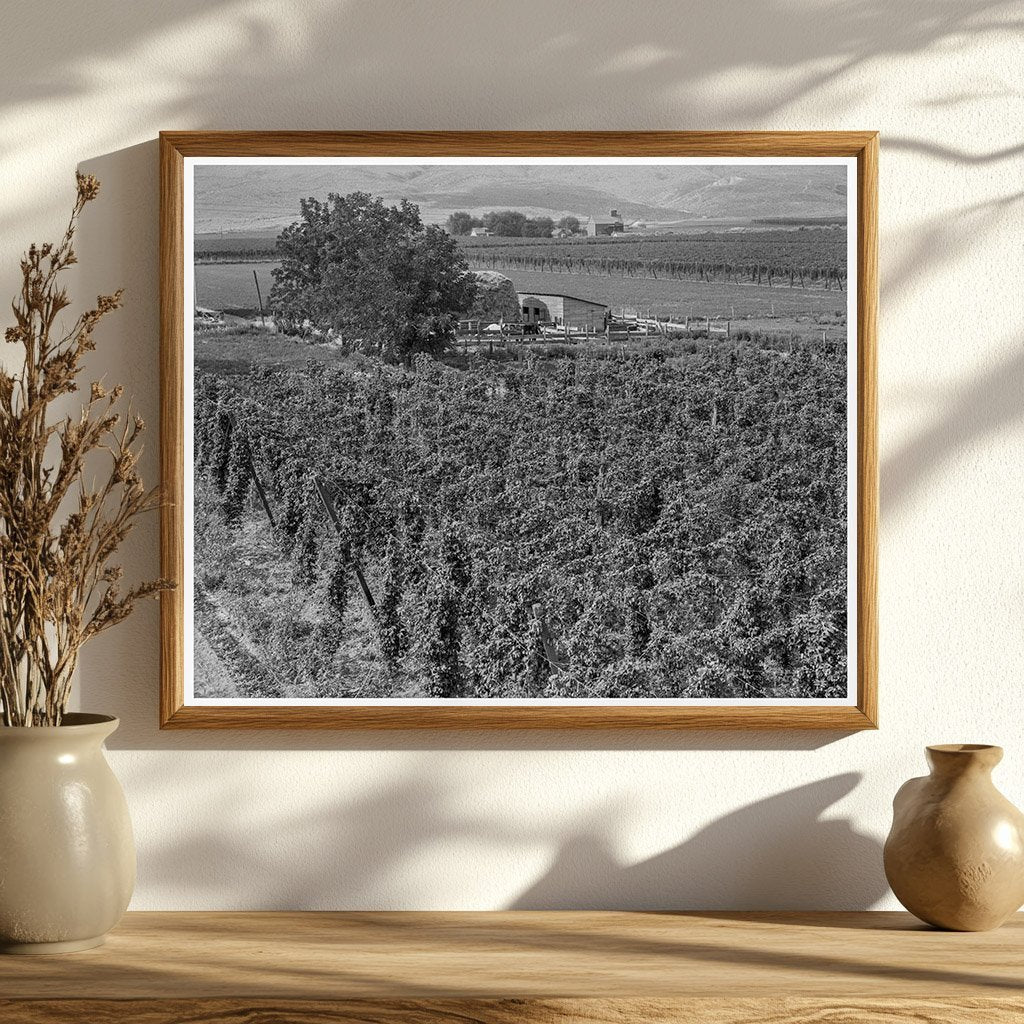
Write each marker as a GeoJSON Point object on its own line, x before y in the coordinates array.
{"type": "Point", "coordinates": [562, 311]}
{"type": "Point", "coordinates": [479, 232]}
{"type": "Point", "coordinates": [604, 225]}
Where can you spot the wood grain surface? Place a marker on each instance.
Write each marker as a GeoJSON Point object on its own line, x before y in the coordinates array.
{"type": "Point", "coordinates": [176, 146]}
{"type": "Point", "coordinates": [172, 441]}
{"type": "Point", "coordinates": [526, 954]}
{"type": "Point", "coordinates": [524, 966]}
{"type": "Point", "coordinates": [515, 1011]}
{"type": "Point", "coordinates": [543, 143]}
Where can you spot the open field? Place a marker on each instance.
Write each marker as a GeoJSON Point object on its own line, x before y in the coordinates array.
{"type": "Point", "coordinates": [682, 298]}
{"type": "Point", "coordinates": [235, 350]}
{"type": "Point", "coordinates": [807, 260]}
{"type": "Point", "coordinates": [230, 286]}
{"type": "Point", "coordinates": [803, 259]}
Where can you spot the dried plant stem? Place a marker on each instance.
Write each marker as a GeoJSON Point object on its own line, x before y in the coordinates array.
{"type": "Point", "coordinates": [58, 588]}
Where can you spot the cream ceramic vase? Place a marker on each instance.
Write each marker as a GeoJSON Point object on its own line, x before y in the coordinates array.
{"type": "Point", "coordinates": [955, 855]}
{"type": "Point", "coordinates": [67, 856]}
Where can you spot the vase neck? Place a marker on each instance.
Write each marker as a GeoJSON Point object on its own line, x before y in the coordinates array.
{"type": "Point", "coordinates": [952, 760]}
{"type": "Point", "coordinates": [76, 730]}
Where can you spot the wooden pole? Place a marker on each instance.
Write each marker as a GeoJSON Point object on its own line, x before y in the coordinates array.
{"type": "Point", "coordinates": [259, 298]}
{"type": "Point", "coordinates": [255, 476]}
{"type": "Point", "coordinates": [333, 515]}
{"type": "Point", "coordinates": [554, 657]}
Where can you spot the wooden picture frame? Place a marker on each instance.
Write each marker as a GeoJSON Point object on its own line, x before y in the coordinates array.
{"type": "Point", "coordinates": [177, 147]}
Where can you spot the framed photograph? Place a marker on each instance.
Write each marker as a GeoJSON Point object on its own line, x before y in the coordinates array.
{"type": "Point", "coordinates": [519, 430]}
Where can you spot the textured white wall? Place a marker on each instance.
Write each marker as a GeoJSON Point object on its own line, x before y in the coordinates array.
{"type": "Point", "coordinates": [757, 820]}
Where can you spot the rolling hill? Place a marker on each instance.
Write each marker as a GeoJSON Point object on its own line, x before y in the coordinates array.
{"type": "Point", "coordinates": [261, 199]}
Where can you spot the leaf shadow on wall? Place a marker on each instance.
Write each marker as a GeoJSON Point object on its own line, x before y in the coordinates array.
{"type": "Point", "coordinates": [319, 64]}
{"type": "Point", "coordinates": [297, 58]}
{"type": "Point", "coordinates": [407, 843]}
{"type": "Point", "coordinates": [778, 853]}
{"type": "Point", "coordinates": [991, 403]}
{"type": "Point", "coordinates": [942, 239]}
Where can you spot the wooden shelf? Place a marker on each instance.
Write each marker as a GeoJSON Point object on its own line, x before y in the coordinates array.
{"type": "Point", "coordinates": [500, 968]}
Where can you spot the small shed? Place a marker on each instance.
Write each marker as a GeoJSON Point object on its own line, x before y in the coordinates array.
{"type": "Point", "coordinates": [540, 309]}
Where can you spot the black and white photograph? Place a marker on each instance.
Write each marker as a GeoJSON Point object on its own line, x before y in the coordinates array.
{"type": "Point", "coordinates": [536, 431]}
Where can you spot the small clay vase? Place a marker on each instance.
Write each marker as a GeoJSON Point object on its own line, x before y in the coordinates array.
{"type": "Point", "coordinates": [955, 854]}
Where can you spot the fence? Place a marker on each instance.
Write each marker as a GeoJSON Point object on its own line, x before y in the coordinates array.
{"type": "Point", "coordinates": [623, 327]}
{"type": "Point", "coordinates": [616, 327]}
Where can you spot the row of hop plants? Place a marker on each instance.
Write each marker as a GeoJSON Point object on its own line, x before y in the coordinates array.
{"type": "Point", "coordinates": [589, 530]}
{"type": "Point", "coordinates": [795, 276]}
{"type": "Point", "coordinates": [325, 559]}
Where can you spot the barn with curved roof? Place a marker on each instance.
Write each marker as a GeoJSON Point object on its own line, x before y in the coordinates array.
{"type": "Point", "coordinates": [541, 309]}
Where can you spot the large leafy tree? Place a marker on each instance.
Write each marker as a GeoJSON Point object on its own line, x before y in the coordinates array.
{"type": "Point", "coordinates": [513, 224]}
{"type": "Point", "coordinates": [539, 227]}
{"type": "Point", "coordinates": [506, 223]}
{"type": "Point", "coordinates": [459, 223]}
{"type": "Point", "coordinates": [372, 276]}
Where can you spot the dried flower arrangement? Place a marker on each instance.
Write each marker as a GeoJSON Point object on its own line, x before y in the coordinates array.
{"type": "Point", "coordinates": [58, 588]}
